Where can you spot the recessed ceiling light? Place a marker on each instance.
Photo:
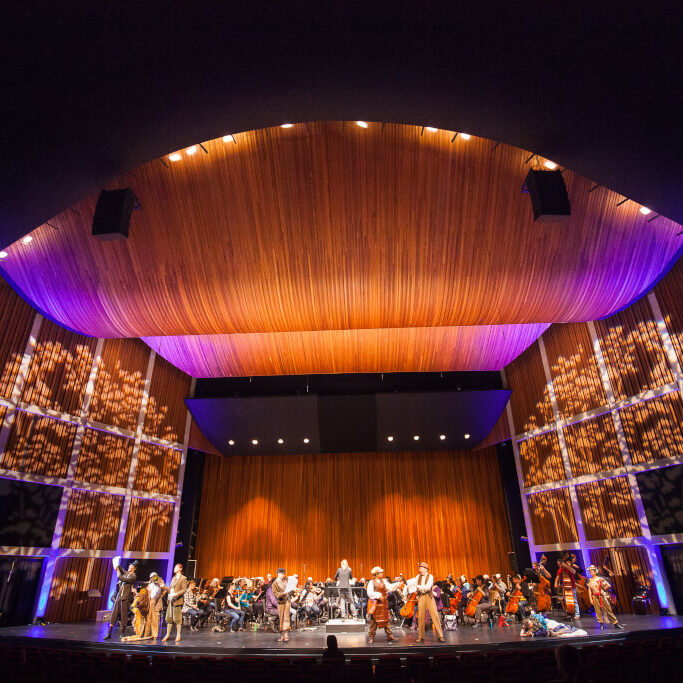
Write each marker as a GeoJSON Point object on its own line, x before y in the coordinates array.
{"type": "Point", "coordinates": [27, 240]}
{"type": "Point", "coordinates": [255, 442]}
{"type": "Point", "coordinates": [645, 211]}
{"type": "Point", "coordinates": [362, 124]}
{"type": "Point", "coordinates": [551, 165]}
{"type": "Point", "coordinates": [191, 150]}
{"type": "Point", "coordinates": [228, 138]}
{"type": "Point", "coordinates": [390, 438]}
{"type": "Point", "coordinates": [280, 441]}
{"type": "Point", "coordinates": [467, 436]}
{"type": "Point", "coordinates": [465, 136]}
{"type": "Point", "coordinates": [231, 443]}
{"type": "Point", "coordinates": [174, 157]}
{"type": "Point", "coordinates": [431, 129]}
{"type": "Point", "coordinates": [442, 437]}
{"type": "Point", "coordinates": [286, 125]}
{"type": "Point", "coordinates": [3, 254]}
{"type": "Point", "coordinates": [416, 438]}
{"type": "Point", "coordinates": [306, 440]}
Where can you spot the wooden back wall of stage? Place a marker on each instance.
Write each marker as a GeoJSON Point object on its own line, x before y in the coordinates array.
{"type": "Point", "coordinates": [394, 509]}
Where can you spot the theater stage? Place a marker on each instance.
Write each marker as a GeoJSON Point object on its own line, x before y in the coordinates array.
{"type": "Point", "coordinates": [311, 641]}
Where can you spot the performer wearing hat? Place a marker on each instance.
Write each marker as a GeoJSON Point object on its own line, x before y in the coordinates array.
{"type": "Point", "coordinates": [377, 590]}
{"type": "Point", "coordinates": [124, 596]}
{"type": "Point", "coordinates": [426, 603]}
{"type": "Point", "coordinates": [282, 596]}
{"type": "Point", "coordinates": [176, 598]}
{"type": "Point", "coordinates": [599, 592]}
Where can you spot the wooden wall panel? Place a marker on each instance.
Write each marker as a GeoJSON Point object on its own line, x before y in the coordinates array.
{"type": "Point", "coordinates": [631, 566]}
{"type": "Point", "coordinates": [633, 351]}
{"type": "Point", "coordinates": [541, 459]}
{"type": "Point", "coordinates": [669, 293]}
{"type": "Point", "coordinates": [59, 369]}
{"type": "Point", "coordinates": [395, 509]}
{"type": "Point", "coordinates": [73, 577]}
{"type": "Point", "coordinates": [608, 509]}
{"type": "Point", "coordinates": [16, 320]}
{"type": "Point", "coordinates": [149, 525]}
{"type": "Point", "coordinates": [552, 517]}
{"type": "Point", "coordinates": [39, 445]}
{"type": "Point", "coordinates": [92, 520]}
{"type": "Point", "coordinates": [166, 411]}
{"type": "Point", "coordinates": [120, 383]}
{"type": "Point", "coordinates": [104, 458]}
{"type": "Point", "coordinates": [157, 469]}
{"type": "Point", "coordinates": [593, 446]}
{"type": "Point", "coordinates": [574, 369]}
{"type": "Point", "coordinates": [530, 400]}
{"type": "Point", "coordinates": [654, 428]}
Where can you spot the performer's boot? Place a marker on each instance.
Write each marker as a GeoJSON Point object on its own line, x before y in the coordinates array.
{"type": "Point", "coordinates": [177, 635]}
{"type": "Point", "coordinates": [108, 636]}
{"type": "Point", "coordinates": [168, 633]}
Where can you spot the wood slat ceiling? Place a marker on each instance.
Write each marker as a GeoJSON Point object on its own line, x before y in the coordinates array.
{"type": "Point", "coordinates": [328, 226]}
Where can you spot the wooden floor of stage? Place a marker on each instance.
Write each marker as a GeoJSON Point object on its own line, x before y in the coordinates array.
{"type": "Point", "coordinates": [311, 641]}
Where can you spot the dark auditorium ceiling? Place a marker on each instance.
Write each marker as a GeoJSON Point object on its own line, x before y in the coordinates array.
{"type": "Point", "coordinates": [331, 247]}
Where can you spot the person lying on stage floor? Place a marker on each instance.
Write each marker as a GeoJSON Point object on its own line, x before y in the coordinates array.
{"type": "Point", "coordinates": [537, 625]}
{"type": "Point", "coordinates": [378, 588]}
{"type": "Point", "coordinates": [124, 596]}
{"type": "Point", "coordinates": [176, 598]}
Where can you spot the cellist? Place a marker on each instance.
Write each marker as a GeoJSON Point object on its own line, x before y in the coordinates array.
{"type": "Point", "coordinates": [377, 589]}
{"type": "Point", "coordinates": [568, 568]}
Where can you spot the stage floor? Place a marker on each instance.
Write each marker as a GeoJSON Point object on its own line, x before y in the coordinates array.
{"type": "Point", "coordinates": [311, 641]}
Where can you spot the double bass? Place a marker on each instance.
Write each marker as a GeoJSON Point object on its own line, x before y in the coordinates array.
{"type": "Point", "coordinates": [542, 592]}
{"type": "Point", "coordinates": [567, 589]}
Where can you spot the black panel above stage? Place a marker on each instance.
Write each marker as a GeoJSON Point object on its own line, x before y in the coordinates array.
{"type": "Point", "coordinates": [329, 421]}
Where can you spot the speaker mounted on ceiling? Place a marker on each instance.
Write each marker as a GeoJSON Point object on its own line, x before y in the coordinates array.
{"type": "Point", "coordinates": [548, 194]}
{"type": "Point", "coordinates": [112, 214]}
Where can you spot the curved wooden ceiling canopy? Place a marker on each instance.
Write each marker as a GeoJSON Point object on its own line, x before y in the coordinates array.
{"type": "Point", "coordinates": [328, 247]}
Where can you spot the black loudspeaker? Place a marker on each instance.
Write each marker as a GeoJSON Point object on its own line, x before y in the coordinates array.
{"type": "Point", "coordinates": [112, 214]}
{"type": "Point", "coordinates": [548, 195]}
{"type": "Point", "coordinates": [512, 558]}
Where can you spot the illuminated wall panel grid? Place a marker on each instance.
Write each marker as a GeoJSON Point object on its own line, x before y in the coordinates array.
{"type": "Point", "coordinates": [593, 405]}
{"type": "Point", "coordinates": [105, 420]}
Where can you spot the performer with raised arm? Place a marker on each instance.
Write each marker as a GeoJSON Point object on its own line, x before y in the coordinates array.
{"type": "Point", "coordinates": [176, 598]}
{"type": "Point", "coordinates": [124, 596]}
{"type": "Point", "coordinates": [426, 603]}
{"type": "Point", "coordinates": [343, 579]}
{"type": "Point", "coordinates": [599, 591]}
{"type": "Point", "coordinates": [282, 595]}
{"type": "Point", "coordinates": [378, 605]}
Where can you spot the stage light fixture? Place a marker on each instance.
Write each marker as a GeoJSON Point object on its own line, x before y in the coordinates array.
{"type": "Point", "coordinates": [280, 440]}
{"type": "Point", "coordinates": [431, 129]}
{"type": "Point", "coordinates": [551, 165]}
{"type": "Point", "coordinates": [255, 442]}
{"type": "Point", "coordinates": [174, 157]}
{"type": "Point", "coordinates": [231, 443]}
{"type": "Point", "coordinates": [467, 436]}
{"type": "Point", "coordinates": [465, 136]}
{"type": "Point", "coordinates": [227, 138]}
{"type": "Point", "coordinates": [191, 150]}
{"type": "Point", "coordinates": [442, 437]}
{"type": "Point", "coordinates": [416, 438]}
{"type": "Point", "coordinates": [3, 254]}
{"type": "Point", "coordinates": [362, 124]}
{"type": "Point", "coordinates": [390, 438]}
{"type": "Point", "coordinates": [27, 240]}
{"type": "Point", "coordinates": [645, 211]}
{"type": "Point", "coordinates": [286, 125]}
{"type": "Point", "coordinates": [306, 440]}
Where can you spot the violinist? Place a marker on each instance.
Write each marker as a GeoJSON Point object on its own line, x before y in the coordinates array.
{"type": "Point", "coordinates": [599, 592]}
{"type": "Point", "coordinates": [567, 569]}
{"type": "Point", "coordinates": [309, 600]}
{"type": "Point", "coordinates": [378, 588]}
{"type": "Point", "coordinates": [426, 603]}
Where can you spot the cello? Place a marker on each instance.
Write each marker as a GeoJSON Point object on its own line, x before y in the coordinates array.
{"type": "Point", "coordinates": [408, 610]}
{"type": "Point", "coordinates": [513, 601]}
{"type": "Point", "coordinates": [477, 595]}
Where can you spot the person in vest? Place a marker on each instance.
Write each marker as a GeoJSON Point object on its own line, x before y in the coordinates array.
{"type": "Point", "coordinates": [176, 598]}
{"type": "Point", "coordinates": [377, 590]}
{"type": "Point", "coordinates": [599, 591]}
{"type": "Point", "coordinates": [124, 596]}
{"type": "Point", "coordinates": [426, 603]}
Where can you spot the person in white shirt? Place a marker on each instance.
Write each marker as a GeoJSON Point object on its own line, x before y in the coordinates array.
{"type": "Point", "coordinates": [378, 606]}
{"type": "Point", "coordinates": [426, 603]}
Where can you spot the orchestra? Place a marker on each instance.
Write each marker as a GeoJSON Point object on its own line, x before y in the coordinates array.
{"type": "Point", "coordinates": [282, 604]}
